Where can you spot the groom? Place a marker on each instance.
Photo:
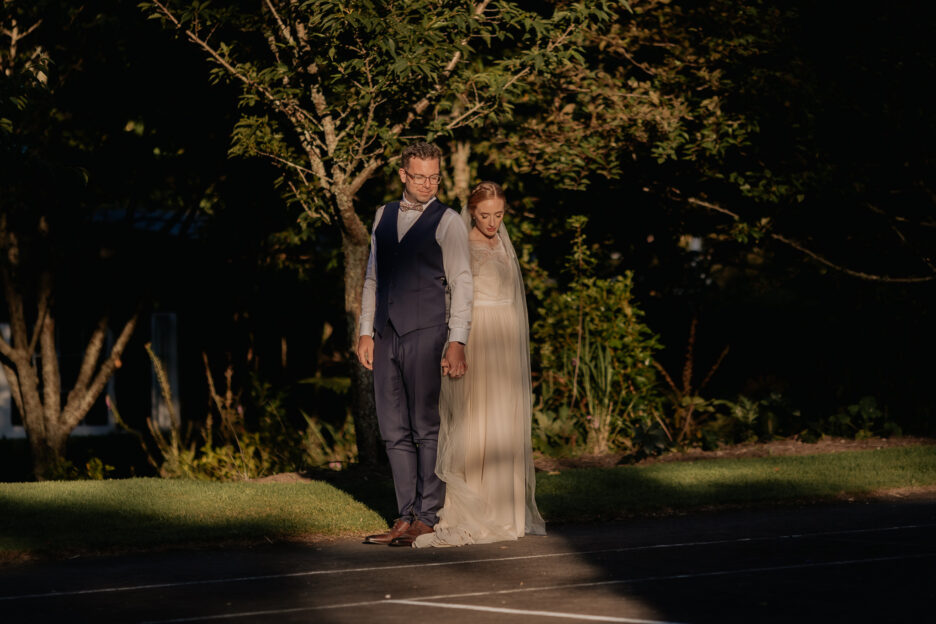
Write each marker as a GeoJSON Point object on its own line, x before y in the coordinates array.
{"type": "Point", "coordinates": [419, 249]}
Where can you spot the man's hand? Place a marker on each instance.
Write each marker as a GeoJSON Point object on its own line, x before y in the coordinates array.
{"type": "Point", "coordinates": [365, 351]}
{"type": "Point", "coordinates": [453, 363]}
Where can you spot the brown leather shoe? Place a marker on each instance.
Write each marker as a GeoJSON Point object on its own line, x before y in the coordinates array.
{"type": "Point", "coordinates": [409, 536]}
{"type": "Point", "coordinates": [400, 526]}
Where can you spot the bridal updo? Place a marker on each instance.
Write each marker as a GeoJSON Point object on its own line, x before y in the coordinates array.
{"type": "Point", "coordinates": [483, 191]}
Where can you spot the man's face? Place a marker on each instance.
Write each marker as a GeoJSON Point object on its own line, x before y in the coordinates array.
{"type": "Point", "coordinates": [416, 179]}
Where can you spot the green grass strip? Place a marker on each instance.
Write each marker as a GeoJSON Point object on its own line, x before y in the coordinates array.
{"type": "Point", "coordinates": [81, 516]}
{"type": "Point", "coordinates": [592, 494]}
{"type": "Point", "coordinates": [139, 513]}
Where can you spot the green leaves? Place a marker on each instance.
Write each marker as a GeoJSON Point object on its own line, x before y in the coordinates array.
{"type": "Point", "coordinates": [594, 351]}
{"type": "Point", "coordinates": [750, 232]}
{"type": "Point", "coordinates": [331, 88]}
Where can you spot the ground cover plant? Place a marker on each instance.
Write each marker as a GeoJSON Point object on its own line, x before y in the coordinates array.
{"type": "Point", "coordinates": [62, 517]}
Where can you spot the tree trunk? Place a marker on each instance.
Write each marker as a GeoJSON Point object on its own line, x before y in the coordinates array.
{"type": "Point", "coordinates": [364, 410]}
{"type": "Point", "coordinates": [362, 406]}
{"type": "Point", "coordinates": [461, 172]}
{"type": "Point", "coordinates": [48, 455]}
{"type": "Point", "coordinates": [47, 424]}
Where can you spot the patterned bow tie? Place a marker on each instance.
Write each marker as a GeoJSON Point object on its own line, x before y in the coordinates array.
{"type": "Point", "coordinates": [408, 205]}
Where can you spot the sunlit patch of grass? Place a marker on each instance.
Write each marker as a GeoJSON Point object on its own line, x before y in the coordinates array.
{"type": "Point", "coordinates": [590, 494]}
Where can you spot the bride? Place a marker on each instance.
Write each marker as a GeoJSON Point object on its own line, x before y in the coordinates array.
{"type": "Point", "coordinates": [485, 454]}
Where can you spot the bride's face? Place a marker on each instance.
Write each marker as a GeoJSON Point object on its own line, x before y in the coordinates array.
{"type": "Point", "coordinates": [488, 215]}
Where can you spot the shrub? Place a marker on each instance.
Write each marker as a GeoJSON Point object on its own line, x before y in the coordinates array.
{"type": "Point", "coordinates": [223, 448]}
{"type": "Point", "coordinates": [861, 420]}
{"type": "Point", "coordinates": [596, 380]}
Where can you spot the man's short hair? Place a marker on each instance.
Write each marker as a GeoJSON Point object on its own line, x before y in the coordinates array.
{"type": "Point", "coordinates": [422, 151]}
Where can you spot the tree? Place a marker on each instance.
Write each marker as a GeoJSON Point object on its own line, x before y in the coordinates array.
{"type": "Point", "coordinates": [731, 115]}
{"type": "Point", "coordinates": [331, 89]}
{"type": "Point", "coordinates": [38, 210]}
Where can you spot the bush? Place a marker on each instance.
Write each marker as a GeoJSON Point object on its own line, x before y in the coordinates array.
{"type": "Point", "coordinates": [773, 417]}
{"type": "Point", "coordinates": [861, 420]}
{"type": "Point", "coordinates": [229, 450]}
{"type": "Point", "coordinates": [596, 382]}
{"type": "Point", "coordinates": [751, 420]}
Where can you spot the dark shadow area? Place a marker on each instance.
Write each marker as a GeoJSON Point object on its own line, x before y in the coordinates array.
{"type": "Point", "coordinates": [120, 453]}
{"type": "Point", "coordinates": [857, 562]}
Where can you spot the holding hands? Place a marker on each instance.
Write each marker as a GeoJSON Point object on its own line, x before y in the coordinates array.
{"type": "Point", "coordinates": [453, 362]}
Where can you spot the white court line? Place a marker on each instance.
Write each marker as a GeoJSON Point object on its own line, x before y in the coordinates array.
{"type": "Point", "coordinates": [422, 600]}
{"type": "Point", "coordinates": [265, 577]}
{"type": "Point", "coordinates": [556, 614]}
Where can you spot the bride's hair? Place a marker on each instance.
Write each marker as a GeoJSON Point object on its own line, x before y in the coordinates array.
{"type": "Point", "coordinates": [484, 191]}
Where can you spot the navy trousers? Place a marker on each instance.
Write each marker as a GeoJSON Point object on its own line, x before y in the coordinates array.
{"type": "Point", "coordinates": [407, 380]}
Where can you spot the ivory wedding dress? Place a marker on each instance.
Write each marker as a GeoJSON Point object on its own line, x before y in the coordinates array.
{"type": "Point", "coordinates": [485, 455]}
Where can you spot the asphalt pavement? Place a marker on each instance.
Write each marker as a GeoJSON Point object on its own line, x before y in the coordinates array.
{"type": "Point", "coordinates": [846, 562]}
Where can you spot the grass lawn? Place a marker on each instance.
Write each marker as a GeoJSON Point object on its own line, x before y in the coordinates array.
{"type": "Point", "coordinates": [65, 516]}
{"type": "Point", "coordinates": [82, 516]}
{"type": "Point", "coordinates": [592, 494]}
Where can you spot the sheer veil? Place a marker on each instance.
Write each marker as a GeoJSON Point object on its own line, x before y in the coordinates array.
{"type": "Point", "coordinates": [450, 464]}
{"type": "Point", "coordinates": [534, 521]}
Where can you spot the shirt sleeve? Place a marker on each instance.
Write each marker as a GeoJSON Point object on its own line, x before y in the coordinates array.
{"type": "Point", "coordinates": [369, 295]}
{"type": "Point", "coordinates": [456, 261]}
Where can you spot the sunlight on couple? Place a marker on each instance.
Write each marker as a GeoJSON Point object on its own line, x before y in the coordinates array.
{"type": "Point", "coordinates": [444, 287]}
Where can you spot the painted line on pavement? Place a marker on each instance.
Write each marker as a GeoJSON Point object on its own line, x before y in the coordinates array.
{"type": "Point", "coordinates": [284, 575]}
{"type": "Point", "coordinates": [555, 614]}
{"type": "Point", "coordinates": [423, 600]}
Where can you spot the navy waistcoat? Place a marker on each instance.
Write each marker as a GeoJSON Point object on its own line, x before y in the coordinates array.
{"type": "Point", "coordinates": [410, 274]}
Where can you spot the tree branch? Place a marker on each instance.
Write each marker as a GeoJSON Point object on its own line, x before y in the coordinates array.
{"type": "Point", "coordinates": [91, 356]}
{"type": "Point", "coordinates": [20, 333]}
{"type": "Point", "coordinates": [818, 258]}
{"type": "Point", "coordinates": [859, 274]}
{"type": "Point", "coordinates": [892, 221]}
{"type": "Point", "coordinates": [285, 105]}
{"type": "Point", "coordinates": [365, 173]}
{"type": "Point", "coordinates": [302, 202]}
{"type": "Point", "coordinates": [420, 107]}
{"type": "Point", "coordinates": [715, 207]}
{"type": "Point", "coordinates": [44, 299]}
{"type": "Point", "coordinates": [51, 377]}
{"type": "Point", "coordinates": [283, 29]}
{"type": "Point", "coordinates": [13, 381]}
{"type": "Point", "coordinates": [283, 161]}
{"type": "Point", "coordinates": [74, 412]}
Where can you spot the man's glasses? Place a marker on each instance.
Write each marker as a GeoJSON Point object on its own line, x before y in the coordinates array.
{"type": "Point", "coordinates": [421, 179]}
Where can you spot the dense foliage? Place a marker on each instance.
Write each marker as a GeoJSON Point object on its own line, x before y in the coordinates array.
{"type": "Point", "coordinates": [596, 383]}
{"type": "Point", "coordinates": [758, 166]}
